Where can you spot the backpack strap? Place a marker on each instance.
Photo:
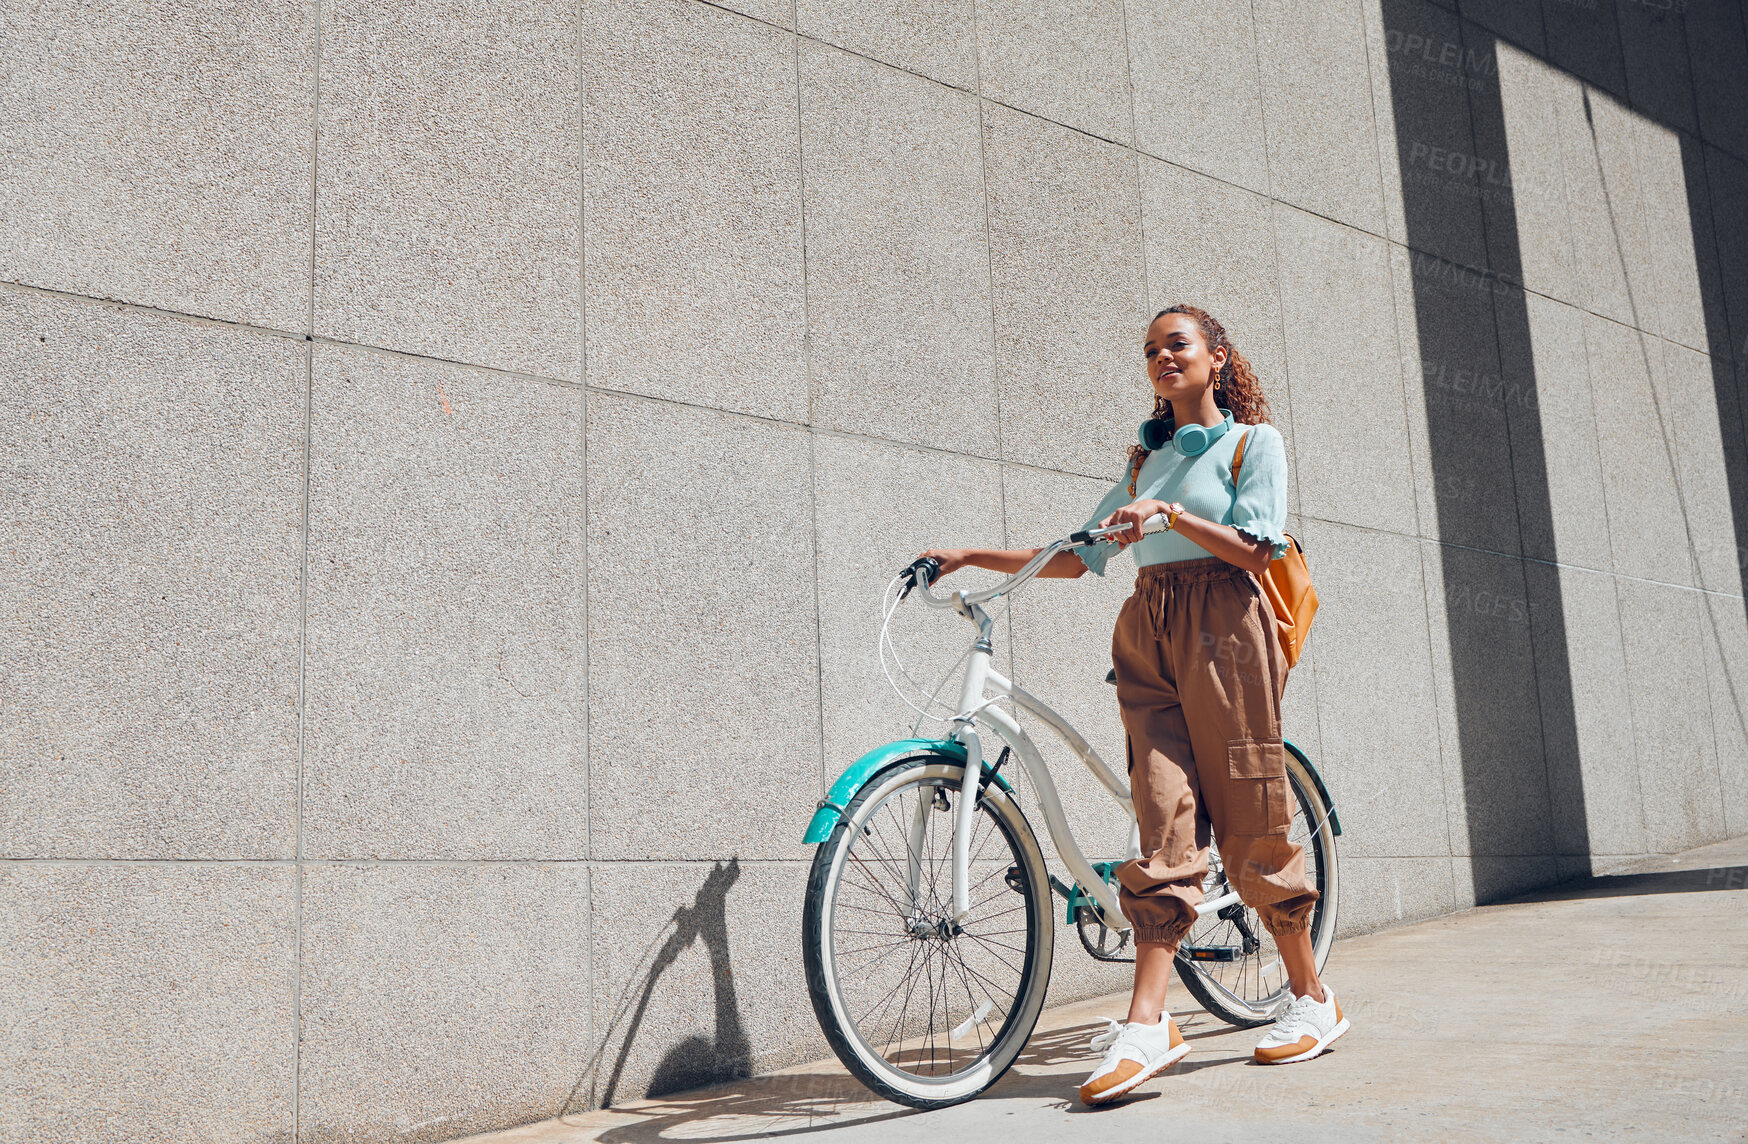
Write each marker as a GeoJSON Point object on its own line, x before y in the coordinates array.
{"type": "Point", "coordinates": [1238, 457]}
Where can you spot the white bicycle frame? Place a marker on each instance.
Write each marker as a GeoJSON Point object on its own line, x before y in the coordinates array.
{"type": "Point", "coordinates": [982, 687]}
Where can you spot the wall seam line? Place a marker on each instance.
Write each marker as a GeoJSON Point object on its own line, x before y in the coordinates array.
{"type": "Point", "coordinates": [309, 379]}
{"type": "Point", "coordinates": [995, 372]}
{"type": "Point", "coordinates": [583, 462]}
{"type": "Point", "coordinates": [995, 364]}
{"type": "Point", "coordinates": [583, 437]}
{"type": "Point", "coordinates": [823, 767]}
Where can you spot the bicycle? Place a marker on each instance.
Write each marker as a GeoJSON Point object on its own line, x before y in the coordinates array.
{"type": "Point", "coordinates": [928, 929]}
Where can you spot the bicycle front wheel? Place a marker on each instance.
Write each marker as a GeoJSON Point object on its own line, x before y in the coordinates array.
{"type": "Point", "coordinates": [1243, 982]}
{"type": "Point", "coordinates": [925, 1011]}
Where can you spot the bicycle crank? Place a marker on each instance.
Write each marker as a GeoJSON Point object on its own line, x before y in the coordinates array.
{"type": "Point", "coordinates": [1099, 940]}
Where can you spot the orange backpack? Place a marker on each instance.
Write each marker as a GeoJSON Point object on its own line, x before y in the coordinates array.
{"type": "Point", "coordinates": [1287, 583]}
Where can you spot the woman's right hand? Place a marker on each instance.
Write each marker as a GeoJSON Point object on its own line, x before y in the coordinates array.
{"type": "Point", "coordinates": [949, 559]}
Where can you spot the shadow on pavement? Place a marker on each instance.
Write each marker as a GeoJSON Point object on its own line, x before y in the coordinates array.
{"type": "Point", "coordinates": [805, 1103]}
{"type": "Point", "coordinates": [797, 1104]}
{"type": "Point", "coordinates": [1625, 885]}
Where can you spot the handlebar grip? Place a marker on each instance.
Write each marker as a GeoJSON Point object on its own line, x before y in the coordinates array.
{"type": "Point", "coordinates": [1153, 524]}
{"type": "Point", "coordinates": [922, 572]}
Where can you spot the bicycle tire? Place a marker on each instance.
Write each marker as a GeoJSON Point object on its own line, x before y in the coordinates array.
{"type": "Point", "coordinates": [1204, 979]}
{"type": "Point", "coordinates": [839, 982]}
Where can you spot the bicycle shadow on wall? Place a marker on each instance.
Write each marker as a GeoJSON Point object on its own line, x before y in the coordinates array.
{"type": "Point", "coordinates": [697, 1060]}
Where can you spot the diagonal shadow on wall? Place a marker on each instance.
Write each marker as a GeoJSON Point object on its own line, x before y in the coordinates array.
{"type": "Point", "coordinates": [1509, 621]}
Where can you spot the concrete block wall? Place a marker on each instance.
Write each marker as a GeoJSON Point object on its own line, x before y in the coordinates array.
{"type": "Point", "coordinates": [453, 455]}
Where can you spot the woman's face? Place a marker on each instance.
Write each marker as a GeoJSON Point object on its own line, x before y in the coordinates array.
{"type": "Point", "coordinates": [1178, 361]}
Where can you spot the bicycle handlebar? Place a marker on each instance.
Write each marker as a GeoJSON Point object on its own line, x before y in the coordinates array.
{"type": "Point", "coordinates": [924, 573]}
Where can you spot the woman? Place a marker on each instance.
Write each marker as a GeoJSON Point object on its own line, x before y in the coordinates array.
{"type": "Point", "coordinates": [1200, 673]}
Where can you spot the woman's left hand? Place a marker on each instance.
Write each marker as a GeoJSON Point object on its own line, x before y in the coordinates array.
{"type": "Point", "coordinates": [1134, 515]}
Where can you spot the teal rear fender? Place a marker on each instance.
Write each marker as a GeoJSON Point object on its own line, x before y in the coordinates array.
{"type": "Point", "coordinates": [1334, 819]}
{"type": "Point", "coordinates": [857, 774]}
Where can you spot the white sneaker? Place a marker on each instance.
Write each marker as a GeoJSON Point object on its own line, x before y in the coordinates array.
{"type": "Point", "coordinates": [1304, 1029]}
{"type": "Point", "coordinates": [1133, 1053]}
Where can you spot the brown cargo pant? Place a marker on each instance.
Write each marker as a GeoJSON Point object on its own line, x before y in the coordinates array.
{"type": "Point", "coordinates": [1200, 673]}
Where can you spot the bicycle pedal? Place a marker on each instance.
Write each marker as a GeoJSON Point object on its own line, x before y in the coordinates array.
{"type": "Point", "coordinates": [1210, 952]}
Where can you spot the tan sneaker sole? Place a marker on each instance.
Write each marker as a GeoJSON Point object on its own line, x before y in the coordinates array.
{"type": "Point", "coordinates": [1175, 1054]}
{"type": "Point", "coordinates": [1305, 1052]}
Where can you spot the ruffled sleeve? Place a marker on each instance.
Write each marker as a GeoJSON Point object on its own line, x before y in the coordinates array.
{"type": "Point", "coordinates": [1095, 555]}
{"type": "Point", "coordinates": [1259, 508]}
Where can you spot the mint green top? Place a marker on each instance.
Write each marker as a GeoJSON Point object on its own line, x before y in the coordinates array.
{"type": "Point", "coordinates": [1203, 485]}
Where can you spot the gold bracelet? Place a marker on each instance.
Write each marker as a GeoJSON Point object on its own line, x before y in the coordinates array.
{"type": "Point", "coordinates": [1173, 511]}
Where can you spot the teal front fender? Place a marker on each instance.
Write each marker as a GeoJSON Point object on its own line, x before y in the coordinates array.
{"type": "Point", "coordinates": [857, 774]}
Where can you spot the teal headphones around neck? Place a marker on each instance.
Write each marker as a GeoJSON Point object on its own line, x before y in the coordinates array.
{"type": "Point", "coordinates": [1188, 440]}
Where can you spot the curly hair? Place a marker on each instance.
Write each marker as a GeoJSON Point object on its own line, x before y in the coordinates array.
{"type": "Point", "coordinates": [1236, 388]}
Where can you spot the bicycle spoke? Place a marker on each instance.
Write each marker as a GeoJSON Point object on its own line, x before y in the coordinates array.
{"type": "Point", "coordinates": [997, 997]}
{"type": "Point", "coordinates": [998, 959]}
{"type": "Point", "coordinates": [877, 1019]}
{"type": "Point", "coordinates": [877, 957]}
{"type": "Point", "coordinates": [864, 909]}
{"type": "Point", "coordinates": [984, 940]}
{"type": "Point", "coordinates": [987, 983]}
{"type": "Point", "coordinates": [873, 887]}
{"type": "Point", "coordinates": [930, 970]}
{"type": "Point", "coordinates": [900, 881]}
{"type": "Point", "coordinates": [971, 1001]}
{"type": "Point", "coordinates": [1000, 912]}
{"type": "Point", "coordinates": [903, 1011]}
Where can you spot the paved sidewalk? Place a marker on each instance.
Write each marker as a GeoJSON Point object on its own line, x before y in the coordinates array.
{"type": "Point", "coordinates": [1614, 1008]}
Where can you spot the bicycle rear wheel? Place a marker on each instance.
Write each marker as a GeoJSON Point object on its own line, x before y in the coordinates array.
{"type": "Point", "coordinates": [1251, 988]}
{"type": "Point", "coordinates": [921, 1010]}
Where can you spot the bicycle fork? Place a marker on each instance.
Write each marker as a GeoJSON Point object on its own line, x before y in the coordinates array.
{"type": "Point", "coordinates": [965, 731]}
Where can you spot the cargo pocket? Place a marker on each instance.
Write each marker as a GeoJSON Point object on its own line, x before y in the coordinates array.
{"type": "Point", "coordinates": [1256, 790]}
